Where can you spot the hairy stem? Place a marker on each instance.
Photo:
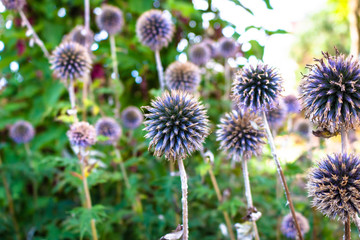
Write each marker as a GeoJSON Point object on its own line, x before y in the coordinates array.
{"type": "Point", "coordinates": [160, 70]}
{"type": "Point", "coordinates": [72, 98]}
{"type": "Point", "coordinates": [87, 15]}
{"type": "Point", "coordinates": [347, 224]}
{"type": "Point", "coordinates": [117, 92]}
{"type": "Point", "coordinates": [184, 190]}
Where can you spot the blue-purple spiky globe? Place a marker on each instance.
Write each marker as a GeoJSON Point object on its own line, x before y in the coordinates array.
{"type": "Point", "coordinates": [199, 54]}
{"type": "Point", "coordinates": [82, 134]}
{"type": "Point", "coordinates": [80, 35]}
{"type": "Point", "coordinates": [108, 127]}
{"type": "Point", "coordinates": [177, 125]}
{"type": "Point", "coordinates": [227, 47]}
{"type": "Point", "coordinates": [288, 227]}
{"type": "Point", "coordinates": [183, 76]}
{"type": "Point", "coordinates": [132, 117]}
{"type": "Point", "coordinates": [331, 92]}
{"type": "Point", "coordinates": [110, 19]}
{"type": "Point", "coordinates": [22, 132]}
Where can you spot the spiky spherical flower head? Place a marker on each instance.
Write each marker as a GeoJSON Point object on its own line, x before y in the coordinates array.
{"type": "Point", "coordinates": [241, 134]}
{"type": "Point", "coordinates": [331, 92]}
{"type": "Point", "coordinates": [70, 60]}
{"type": "Point", "coordinates": [288, 227]}
{"type": "Point", "coordinates": [13, 4]}
{"type": "Point", "coordinates": [183, 76]}
{"type": "Point", "coordinates": [256, 87]}
{"type": "Point", "coordinates": [335, 186]}
{"type": "Point", "coordinates": [110, 19]}
{"type": "Point", "coordinates": [292, 104]}
{"type": "Point", "coordinates": [277, 115]}
{"type": "Point", "coordinates": [177, 125]}
{"type": "Point", "coordinates": [82, 134]}
{"type": "Point", "coordinates": [108, 127]}
{"type": "Point", "coordinates": [228, 47]}
{"type": "Point", "coordinates": [132, 117]}
{"type": "Point", "coordinates": [199, 54]}
{"type": "Point", "coordinates": [22, 132]}
{"type": "Point", "coordinates": [80, 35]}
{"type": "Point", "coordinates": [154, 29]}
{"type": "Point", "coordinates": [211, 44]}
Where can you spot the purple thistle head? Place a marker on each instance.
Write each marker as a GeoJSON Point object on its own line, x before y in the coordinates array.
{"type": "Point", "coordinates": [211, 44]}
{"type": "Point", "coordinates": [335, 186]}
{"type": "Point", "coordinates": [331, 92]}
{"type": "Point", "coordinates": [199, 54]}
{"type": "Point", "coordinates": [292, 104]}
{"type": "Point", "coordinates": [256, 87]}
{"type": "Point", "coordinates": [13, 4]}
{"type": "Point", "coordinates": [82, 134]}
{"type": "Point", "coordinates": [108, 127]}
{"type": "Point", "coordinates": [132, 117]}
{"type": "Point", "coordinates": [110, 19]}
{"type": "Point", "coordinates": [227, 47]}
{"type": "Point", "coordinates": [154, 29]}
{"type": "Point", "coordinates": [22, 132]}
{"type": "Point", "coordinates": [277, 115]}
{"type": "Point", "coordinates": [241, 134]}
{"type": "Point", "coordinates": [183, 76]}
{"type": "Point", "coordinates": [80, 35]}
{"type": "Point", "coordinates": [288, 226]}
{"type": "Point", "coordinates": [177, 125]}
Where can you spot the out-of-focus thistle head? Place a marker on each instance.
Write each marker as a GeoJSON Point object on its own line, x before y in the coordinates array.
{"type": "Point", "coordinates": [177, 125]}
{"type": "Point", "coordinates": [292, 104]}
{"type": "Point", "coordinates": [288, 227]}
{"type": "Point", "coordinates": [256, 87]}
{"type": "Point", "coordinates": [183, 76]}
{"type": "Point", "coordinates": [108, 127]}
{"type": "Point", "coordinates": [335, 186]}
{"type": "Point", "coordinates": [70, 60]}
{"type": "Point", "coordinates": [199, 54]}
{"type": "Point", "coordinates": [132, 117]}
{"type": "Point", "coordinates": [80, 35]}
{"type": "Point", "coordinates": [21, 132]}
{"type": "Point", "coordinates": [331, 92]}
{"type": "Point", "coordinates": [212, 46]}
{"type": "Point", "coordinates": [13, 4]}
{"type": "Point", "coordinates": [277, 115]}
{"type": "Point", "coordinates": [82, 134]}
{"type": "Point", "coordinates": [241, 134]}
{"type": "Point", "coordinates": [303, 128]}
{"type": "Point", "coordinates": [154, 29]}
{"type": "Point", "coordinates": [110, 19]}
{"type": "Point", "coordinates": [227, 47]}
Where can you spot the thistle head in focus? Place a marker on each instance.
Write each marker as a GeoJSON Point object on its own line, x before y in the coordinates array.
{"type": "Point", "coordinates": [81, 134]}
{"type": "Point", "coordinates": [183, 76]}
{"type": "Point", "coordinates": [13, 4]}
{"type": "Point", "coordinates": [288, 227]}
{"type": "Point", "coordinates": [241, 133]}
{"type": "Point", "coordinates": [132, 117]}
{"type": "Point", "coordinates": [256, 87]}
{"type": "Point", "coordinates": [22, 132]}
{"type": "Point", "coordinates": [110, 19]}
{"type": "Point", "coordinates": [331, 92]}
{"type": "Point", "coordinates": [199, 54]}
{"type": "Point", "coordinates": [227, 47]}
{"type": "Point", "coordinates": [292, 104]}
{"type": "Point", "coordinates": [177, 125]}
{"type": "Point", "coordinates": [80, 35]}
{"type": "Point", "coordinates": [154, 29]}
{"type": "Point", "coordinates": [335, 186]}
{"type": "Point", "coordinates": [277, 115]}
{"type": "Point", "coordinates": [108, 127]}
{"type": "Point", "coordinates": [70, 60]}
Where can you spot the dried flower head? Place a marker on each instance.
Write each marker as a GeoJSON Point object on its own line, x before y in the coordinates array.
{"type": "Point", "coordinates": [80, 35]}
{"type": "Point", "coordinates": [154, 29]}
{"type": "Point", "coordinates": [132, 117]}
{"type": "Point", "coordinates": [110, 19]}
{"type": "Point", "coordinates": [228, 47]}
{"type": "Point", "coordinates": [108, 127]}
{"type": "Point", "coordinates": [241, 134]}
{"type": "Point", "coordinates": [70, 60]}
{"type": "Point", "coordinates": [82, 134]}
{"type": "Point", "coordinates": [177, 125]}
{"type": "Point", "coordinates": [199, 54]}
{"type": "Point", "coordinates": [13, 4]}
{"type": "Point", "coordinates": [183, 76]}
{"type": "Point", "coordinates": [303, 128]}
{"type": "Point", "coordinates": [292, 104]}
{"type": "Point", "coordinates": [256, 87]}
{"type": "Point", "coordinates": [288, 226]}
{"type": "Point", "coordinates": [331, 92]}
{"type": "Point", "coordinates": [277, 115]}
{"type": "Point", "coordinates": [211, 44]}
{"type": "Point", "coordinates": [22, 132]}
{"type": "Point", "coordinates": [335, 186]}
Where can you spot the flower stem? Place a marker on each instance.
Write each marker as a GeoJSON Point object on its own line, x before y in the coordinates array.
{"type": "Point", "coordinates": [117, 92]}
{"type": "Point", "coordinates": [347, 223]}
{"type": "Point", "coordinates": [160, 70]}
{"type": "Point", "coordinates": [281, 173]}
{"type": "Point", "coordinates": [72, 98]}
{"type": "Point", "coordinates": [87, 14]}
{"type": "Point", "coordinates": [122, 167]}
{"type": "Point", "coordinates": [184, 190]}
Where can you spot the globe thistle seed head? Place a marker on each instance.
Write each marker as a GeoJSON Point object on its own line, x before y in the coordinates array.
{"type": "Point", "coordinates": [227, 47]}
{"type": "Point", "coordinates": [13, 4]}
{"type": "Point", "coordinates": [277, 115]}
{"type": "Point", "coordinates": [177, 125]}
{"type": "Point", "coordinates": [110, 19]}
{"type": "Point", "coordinates": [82, 134]}
{"type": "Point", "coordinates": [22, 132]}
{"type": "Point", "coordinates": [108, 127]}
{"type": "Point", "coordinates": [211, 44]}
{"type": "Point", "coordinates": [241, 134]}
{"type": "Point", "coordinates": [256, 87]}
{"type": "Point", "coordinates": [70, 60]}
{"type": "Point", "coordinates": [303, 128]}
{"type": "Point", "coordinates": [80, 35]}
{"type": "Point", "coordinates": [183, 76]}
{"type": "Point", "coordinates": [199, 54]}
{"type": "Point", "coordinates": [292, 104]}
{"type": "Point", "coordinates": [154, 29]}
{"type": "Point", "coordinates": [288, 227]}
{"type": "Point", "coordinates": [331, 92]}
{"type": "Point", "coordinates": [132, 117]}
{"type": "Point", "coordinates": [335, 186]}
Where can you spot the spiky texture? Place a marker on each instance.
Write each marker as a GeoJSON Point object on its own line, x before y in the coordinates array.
{"type": "Point", "coordinates": [132, 117]}
{"type": "Point", "coordinates": [183, 76]}
{"type": "Point", "coordinates": [177, 125]}
{"type": "Point", "coordinates": [292, 104]}
{"type": "Point", "coordinates": [70, 60]}
{"type": "Point", "coordinates": [22, 132]}
{"type": "Point", "coordinates": [82, 134]}
{"type": "Point", "coordinates": [199, 54]}
{"type": "Point", "coordinates": [154, 29]}
{"type": "Point", "coordinates": [13, 4]}
{"type": "Point", "coordinates": [211, 44]}
{"type": "Point", "coordinates": [331, 92]}
{"type": "Point", "coordinates": [108, 127]}
{"type": "Point", "coordinates": [256, 87]}
{"type": "Point", "coordinates": [277, 115]}
{"type": "Point", "coordinates": [288, 226]}
{"type": "Point", "coordinates": [80, 35]}
{"type": "Point", "coordinates": [227, 47]}
{"type": "Point", "coordinates": [241, 134]}
{"type": "Point", "coordinates": [110, 19]}
{"type": "Point", "coordinates": [335, 186]}
{"type": "Point", "coordinates": [303, 128]}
